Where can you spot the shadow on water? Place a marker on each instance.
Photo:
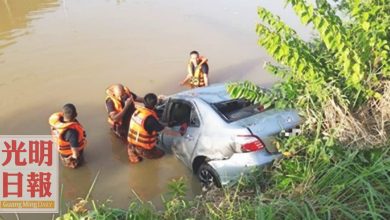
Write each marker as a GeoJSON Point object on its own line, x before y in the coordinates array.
{"type": "Point", "coordinates": [118, 148]}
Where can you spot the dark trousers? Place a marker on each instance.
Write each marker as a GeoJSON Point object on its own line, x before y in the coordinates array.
{"type": "Point", "coordinates": [121, 131]}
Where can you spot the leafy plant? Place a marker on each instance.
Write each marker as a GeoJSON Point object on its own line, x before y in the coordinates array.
{"type": "Point", "coordinates": [335, 79]}
{"type": "Point", "coordinates": [176, 205]}
{"type": "Point", "coordinates": [339, 82]}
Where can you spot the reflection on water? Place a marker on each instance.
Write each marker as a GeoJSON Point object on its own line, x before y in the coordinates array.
{"type": "Point", "coordinates": [15, 16]}
{"type": "Point", "coordinates": [119, 149]}
{"type": "Point", "coordinates": [73, 186]}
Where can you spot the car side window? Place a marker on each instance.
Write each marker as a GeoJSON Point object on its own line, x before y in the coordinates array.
{"type": "Point", "coordinates": [179, 113]}
{"type": "Point", "coordinates": [183, 112]}
{"type": "Point", "coordinates": [194, 120]}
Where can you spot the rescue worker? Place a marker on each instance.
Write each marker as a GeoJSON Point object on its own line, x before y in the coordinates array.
{"type": "Point", "coordinates": [143, 131]}
{"type": "Point", "coordinates": [120, 106]}
{"type": "Point", "coordinates": [198, 71]}
{"type": "Point", "coordinates": [68, 133]}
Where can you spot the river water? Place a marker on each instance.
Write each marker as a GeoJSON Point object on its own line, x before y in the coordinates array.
{"type": "Point", "coordinates": [54, 52]}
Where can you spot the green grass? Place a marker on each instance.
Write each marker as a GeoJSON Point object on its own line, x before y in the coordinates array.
{"type": "Point", "coordinates": [353, 186]}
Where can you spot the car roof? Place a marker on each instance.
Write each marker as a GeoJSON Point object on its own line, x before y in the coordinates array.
{"type": "Point", "coordinates": [211, 94]}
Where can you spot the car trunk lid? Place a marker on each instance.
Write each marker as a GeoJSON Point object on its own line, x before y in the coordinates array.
{"type": "Point", "coordinates": [266, 125]}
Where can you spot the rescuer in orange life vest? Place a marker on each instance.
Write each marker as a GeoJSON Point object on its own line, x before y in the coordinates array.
{"type": "Point", "coordinates": [198, 71]}
{"type": "Point", "coordinates": [143, 131]}
{"type": "Point", "coordinates": [68, 133]}
{"type": "Point", "coordinates": [120, 106]}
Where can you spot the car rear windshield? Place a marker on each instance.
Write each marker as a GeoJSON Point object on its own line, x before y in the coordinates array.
{"type": "Point", "coordinates": [236, 109]}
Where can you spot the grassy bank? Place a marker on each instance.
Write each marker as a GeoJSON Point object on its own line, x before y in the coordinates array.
{"type": "Point", "coordinates": [352, 185]}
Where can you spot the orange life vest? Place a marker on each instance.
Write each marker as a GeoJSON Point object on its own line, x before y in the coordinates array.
{"type": "Point", "coordinates": [197, 79]}
{"type": "Point", "coordinates": [138, 135]}
{"type": "Point", "coordinates": [117, 102]}
{"type": "Point", "coordinates": [58, 127]}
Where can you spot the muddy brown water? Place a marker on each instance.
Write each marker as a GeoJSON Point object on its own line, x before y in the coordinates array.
{"type": "Point", "coordinates": [54, 52]}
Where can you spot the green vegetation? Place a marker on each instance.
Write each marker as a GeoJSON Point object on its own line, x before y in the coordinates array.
{"type": "Point", "coordinates": [339, 82]}
{"type": "Point", "coordinates": [353, 187]}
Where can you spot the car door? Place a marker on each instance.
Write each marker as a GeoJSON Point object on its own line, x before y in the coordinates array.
{"type": "Point", "coordinates": [183, 146]}
{"type": "Point", "coordinates": [162, 112]}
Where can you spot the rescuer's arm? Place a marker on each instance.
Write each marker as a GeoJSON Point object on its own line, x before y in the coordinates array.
{"type": "Point", "coordinates": [203, 60]}
{"type": "Point", "coordinates": [71, 136]}
{"type": "Point", "coordinates": [137, 98]}
{"type": "Point", "coordinates": [117, 116]}
{"type": "Point", "coordinates": [151, 124]}
{"type": "Point", "coordinates": [206, 79]}
{"type": "Point", "coordinates": [75, 153]}
{"type": "Point", "coordinates": [171, 132]}
{"type": "Point", "coordinates": [189, 75]}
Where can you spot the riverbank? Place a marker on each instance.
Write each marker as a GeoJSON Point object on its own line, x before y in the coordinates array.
{"type": "Point", "coordinates": [353, 185]}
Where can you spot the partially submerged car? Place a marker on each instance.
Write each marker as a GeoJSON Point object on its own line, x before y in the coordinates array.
{"type": "Point", "coordinates": [225, 137]}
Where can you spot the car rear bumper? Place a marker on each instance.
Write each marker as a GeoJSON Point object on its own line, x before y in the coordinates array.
{"type": "Point", "coordinates": [231, 169]}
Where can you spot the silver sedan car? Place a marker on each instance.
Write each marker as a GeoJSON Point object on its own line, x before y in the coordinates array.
{"type": "Point", "coordinates": [225, 137]}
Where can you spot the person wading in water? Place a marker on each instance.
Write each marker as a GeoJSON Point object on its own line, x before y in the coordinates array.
{"type": "Point", "coordinates": [198, 71]}
{"type": "Point", "coordinates": [120, 105]}
{"type": "Point", "coordinates": [143, 132]}
{"type": "Point", "coordinates": [69, 135]}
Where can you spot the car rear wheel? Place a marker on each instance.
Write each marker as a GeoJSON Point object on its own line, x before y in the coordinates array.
{"type": "Point", "coordinates": [208, 177]}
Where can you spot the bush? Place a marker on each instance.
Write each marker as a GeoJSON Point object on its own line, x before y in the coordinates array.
{"type": "Point", "coordinates": [339, 81]}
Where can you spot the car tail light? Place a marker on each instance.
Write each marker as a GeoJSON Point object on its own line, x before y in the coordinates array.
{"type": "Point", "coordinates": [261, 108]}
{"type": "Point", "coordinates": [250, 143]}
